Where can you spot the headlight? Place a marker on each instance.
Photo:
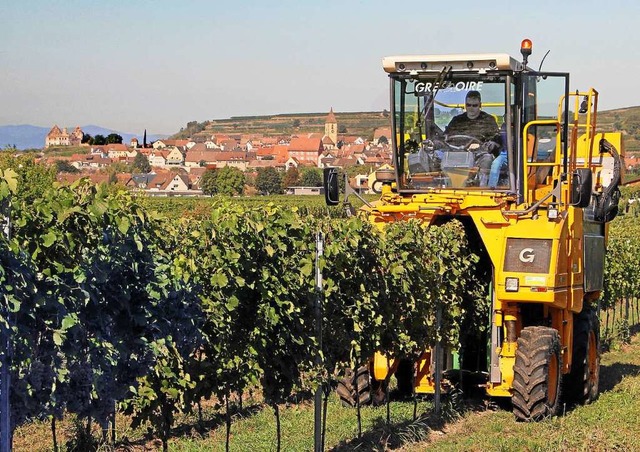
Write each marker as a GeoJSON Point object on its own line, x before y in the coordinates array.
{"type": "Point", "coordinates": [511, 284]}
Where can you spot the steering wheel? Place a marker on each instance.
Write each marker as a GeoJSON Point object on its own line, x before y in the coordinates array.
{"type": "Point", "coordinates": [466, 141]}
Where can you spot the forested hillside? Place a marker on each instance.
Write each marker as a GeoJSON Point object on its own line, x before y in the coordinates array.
{"type": "Point", "coordinates": [626, 120]}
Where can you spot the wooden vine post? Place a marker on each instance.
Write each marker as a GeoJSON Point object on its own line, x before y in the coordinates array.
{"type": "Point", "coordinates": [317, 424]}
{"type": "Point", "coordinates": [5, 331]}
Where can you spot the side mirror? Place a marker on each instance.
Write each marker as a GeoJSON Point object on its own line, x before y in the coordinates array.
{"type": "Point", "coordinates": [330, 184]}
{"type": "Point", "coordinates": [581, 187]}
{"type": "Point", "coordinates": [584, 106]}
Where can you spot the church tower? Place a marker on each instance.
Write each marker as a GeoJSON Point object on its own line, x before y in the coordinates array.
{"type": "Point", "coordinates": [331, 127]}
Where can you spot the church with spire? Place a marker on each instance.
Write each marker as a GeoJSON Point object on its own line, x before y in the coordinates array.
{"type": "Point", "coordinates": [330, 130]}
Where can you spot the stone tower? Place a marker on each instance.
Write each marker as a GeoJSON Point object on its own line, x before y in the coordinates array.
{"type": "Point", "coordinates": [331, 127]}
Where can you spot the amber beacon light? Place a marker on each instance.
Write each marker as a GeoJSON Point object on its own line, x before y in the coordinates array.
{"type": "Point", "coordinates": [526, 47]}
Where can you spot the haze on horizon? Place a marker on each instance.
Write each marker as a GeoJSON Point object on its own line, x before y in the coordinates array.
{"type": "Point", "coordinates": [158, 64]}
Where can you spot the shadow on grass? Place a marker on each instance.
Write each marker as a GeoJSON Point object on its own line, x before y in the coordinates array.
{"type": "Point", "coordinates": [383, 436]}
{"type": "Point", "coordinates": [194, 429]}
{"type": "Point", "coordinates": [613, 374]}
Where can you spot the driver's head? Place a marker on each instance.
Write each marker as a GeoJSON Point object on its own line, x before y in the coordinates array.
{"type": "Point", "coordinates": [472, 103]}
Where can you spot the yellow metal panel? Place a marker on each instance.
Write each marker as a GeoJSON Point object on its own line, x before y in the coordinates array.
{"type": "Point", "coordinates": [381, 366]}
{"type": "Point", "coordinates": [424, 382]}
{"type": "Point", "coordinates": [498, 390]}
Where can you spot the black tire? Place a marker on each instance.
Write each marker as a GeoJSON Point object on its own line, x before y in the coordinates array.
{"type": "Point", "coordinates": [537, 374]}
{"type": "Point", "coordinates": [404, 377]}
{"type": "Point", "coordinates": [370, 391]}
{"type": "Point", "coordinates": [345, 389]}
{"type": "Point", "coordinates": [581, 384]}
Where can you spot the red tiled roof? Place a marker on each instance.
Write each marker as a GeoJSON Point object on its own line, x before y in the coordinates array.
{"type": "Point", "coordinates": [375, 160]}
{"type": "Point", "coordinates": [215, 156]}
{"type": "Point", "coordinates": [198, 147]}
{"type": "Point", "coordinates": [55, 130]}
{"type": "Point", "coordinates": [198, 156]}
{"type": "Point", "coordinates": [347, 139]}
{"type": "Point", "coordinates": [116, 147]}
{"type": "Point", "coordinates": [168, 181]}
{"type": "Point", "coordinates": [228, 144]}
{"type": "Point", "coordinates": [281, 152]}
{"type": "Point", "coordinates": [345, 161]}
{"type": "Point", "coordinates": [89, 158]}
{"type": "Point", "coordinates": [177, 143]}
{"type": "Point", "coordinates": [271, 150]}
{"type": "Point", "coordinates": [197, 171]}
{"type": "Point", "coordinates": [382, 131]}
{"type": "Point", "coordinates": [306, 144]}
{"type": "Point", "coordinates": [228, 156]}
{"type": "Point", "coordinates": [631, 160]}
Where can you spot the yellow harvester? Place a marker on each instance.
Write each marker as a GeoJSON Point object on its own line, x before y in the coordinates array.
{"type": "Point", "coordinates": [535, 209]}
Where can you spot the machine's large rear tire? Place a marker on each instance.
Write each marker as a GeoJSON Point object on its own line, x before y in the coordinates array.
{"type": "Point", "coordinates": [581, 384]}
{"type": "Point", "coordinates": [537, 374]}
{"type": "Point", "coordinates": [369, 391]}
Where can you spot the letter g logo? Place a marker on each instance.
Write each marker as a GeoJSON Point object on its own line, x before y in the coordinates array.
{"type": "Point", "coordinates": [526, 255]}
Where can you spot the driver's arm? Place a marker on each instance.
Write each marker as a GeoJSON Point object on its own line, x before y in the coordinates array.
{"type": "Point", "coordinates": [490, 130]}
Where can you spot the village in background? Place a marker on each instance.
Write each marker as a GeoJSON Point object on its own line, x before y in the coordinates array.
{"type": "Point", "coordinates": [255, 155]}
{"type": "Point", "coordinates": [265, 164]}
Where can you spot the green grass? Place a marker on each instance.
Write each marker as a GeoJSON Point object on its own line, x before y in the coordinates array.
{"type": "Point", "coordinates": [253, 429]}
{"type": "Point", "coordinates": [258, 432]}
{"type": "Point", "coordinates": [611, 423]}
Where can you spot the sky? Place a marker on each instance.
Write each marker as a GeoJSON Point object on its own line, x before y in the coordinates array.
{"type": "Point", "coordinates": [131, 65]}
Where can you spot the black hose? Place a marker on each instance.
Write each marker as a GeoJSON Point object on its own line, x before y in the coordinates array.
{"type": "Point", "coordinates": [607, 202]}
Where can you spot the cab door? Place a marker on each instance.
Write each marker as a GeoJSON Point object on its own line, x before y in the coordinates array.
{"type": "Point", "coordinates": [543, 131]}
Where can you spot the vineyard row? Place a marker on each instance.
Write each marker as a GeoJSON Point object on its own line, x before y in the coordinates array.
{"type": "Point", "coordinates": [108, 304]}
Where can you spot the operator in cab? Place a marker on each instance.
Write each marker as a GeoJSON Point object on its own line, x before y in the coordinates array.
{"type": "Point", "coordinates": [473, 122]}
{"type": "Point", "coordinates": [481, 133]}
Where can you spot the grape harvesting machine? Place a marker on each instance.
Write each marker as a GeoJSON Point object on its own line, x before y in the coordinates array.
{"type": "Point", "coordinates": [534, 200]}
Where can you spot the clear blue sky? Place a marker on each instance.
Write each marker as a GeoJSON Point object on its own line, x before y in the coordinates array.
{"type": "Point", "coordinates": [157, 64]}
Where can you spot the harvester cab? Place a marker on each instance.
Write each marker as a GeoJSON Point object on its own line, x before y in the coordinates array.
{"type": "Point", "coordinates": [534, 186]}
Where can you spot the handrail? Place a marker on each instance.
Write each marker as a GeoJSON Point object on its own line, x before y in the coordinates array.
{"type": "Point", "coordinates": [556, 163]}
{"type": "Point", "coordinates": [484, 104]}
{"type": "Point", "coordinates": [589, 124]}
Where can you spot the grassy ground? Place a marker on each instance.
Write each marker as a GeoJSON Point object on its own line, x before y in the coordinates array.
{"type": "Point", "coordinates": [611, 423]}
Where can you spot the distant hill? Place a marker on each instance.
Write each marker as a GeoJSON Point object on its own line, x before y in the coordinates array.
{"type": "Point", "coordinates": [356, 123]}
{"type": "Point", "coordinates": [23, 136]}
{"type": "Point", "coordinates": [32, 137]}
{"type": "Point", "coordinates": [626, 120]}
